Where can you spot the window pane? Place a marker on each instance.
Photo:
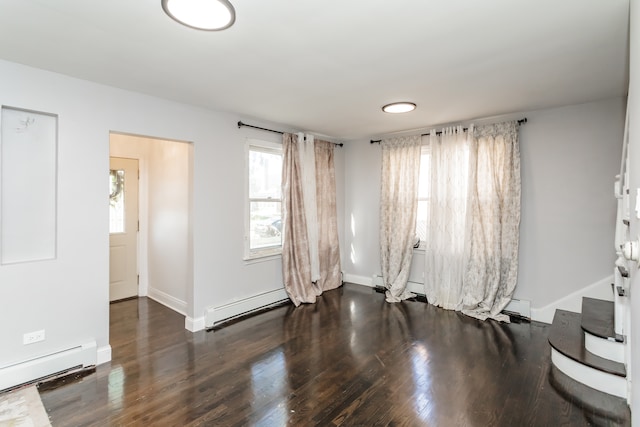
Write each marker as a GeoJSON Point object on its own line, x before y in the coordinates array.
{"type": "Point", "coordinates": [265, 225]}
{"type": "Point", "coordinates": [116, 201]}
{"type": "Point", "coordinates": [265, 171]}
{"type": "Point", "coordinates": [424, 185]}
{"type": "Point", "coordinates": [421, 222]}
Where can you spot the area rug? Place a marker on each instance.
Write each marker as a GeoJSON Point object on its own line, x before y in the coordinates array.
{"type": "Point", "coordinates": [23, 408]}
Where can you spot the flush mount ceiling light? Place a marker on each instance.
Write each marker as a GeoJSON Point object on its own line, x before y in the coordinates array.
{"type": "Point", "coordinates": [208, 15]}
{"type": "Point", "coordinates": [399, 107]}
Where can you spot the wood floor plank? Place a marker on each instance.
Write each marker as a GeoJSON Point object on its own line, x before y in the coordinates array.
{"type": "Point", "coordinates": [351, 359]}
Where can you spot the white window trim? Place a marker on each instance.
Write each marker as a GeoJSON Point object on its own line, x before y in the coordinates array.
{"type": "Point", "coordinates": [263, 254]}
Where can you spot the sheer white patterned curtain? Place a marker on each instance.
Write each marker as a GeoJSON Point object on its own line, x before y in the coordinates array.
{"type": "Point", "coordinates": [398, 204]}
{"type": "Point", "coordinates": [471, 259]}
{"type": "Point", "coordinates": [448, 218]}
{"type": "Point", "coordinates": [494, 206]}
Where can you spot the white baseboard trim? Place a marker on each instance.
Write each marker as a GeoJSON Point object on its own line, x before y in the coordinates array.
{"type": "Point", "coordinates": [168, 300]}
{"type": "Point", "coordinates": [194, 324]}
{"type": "Point", "coordinates": [103, 355]}
{"type": "Point", "coordinates": [358, 280]}
{"type": "Point", "coordinates": [219, 313]}
{"type": "Point", "coordinates": [602, 381]}
{"type": "Point", "coordinates": [573, 302]}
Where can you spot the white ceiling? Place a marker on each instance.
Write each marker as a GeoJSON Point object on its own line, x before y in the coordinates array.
{"type": "Point", "coordinates": [327, 66]}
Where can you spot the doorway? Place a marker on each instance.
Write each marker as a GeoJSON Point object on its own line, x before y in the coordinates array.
{"type": "Point", "coordinates": [165, 241]}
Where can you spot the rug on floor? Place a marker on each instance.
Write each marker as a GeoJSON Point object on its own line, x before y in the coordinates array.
{"type": "Point", "coordinates": [23, 408]}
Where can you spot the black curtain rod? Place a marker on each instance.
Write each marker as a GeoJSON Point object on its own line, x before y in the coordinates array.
{"type": "Point", "coordinates": [240, 124]}
{"type": "Point", "coordinates": [377, 141]}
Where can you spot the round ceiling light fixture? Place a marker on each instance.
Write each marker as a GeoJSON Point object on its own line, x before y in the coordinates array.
{"type": "Point", "coordinates": [207, 15]}
{"type": "Point", "coordinates": [399, 107]}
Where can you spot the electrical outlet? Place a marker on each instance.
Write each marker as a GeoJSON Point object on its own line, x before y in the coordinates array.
{"type": "Point", "coordinates": [33, 337]}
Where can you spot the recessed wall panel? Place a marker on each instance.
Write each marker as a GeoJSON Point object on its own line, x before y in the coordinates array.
{"type": "Point", "coordinates": [28, 185]}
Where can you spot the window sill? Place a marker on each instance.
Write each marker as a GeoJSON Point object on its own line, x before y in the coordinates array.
{"type": "Point", "coordinates": [257, 258]}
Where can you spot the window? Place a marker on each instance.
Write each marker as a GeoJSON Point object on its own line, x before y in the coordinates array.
{"type": "Point", "coordinates": [263, 225]}
{"type": "Point", "coordinates": [116, 201]}
{"type": "Point", "coordinates": [424, 190]}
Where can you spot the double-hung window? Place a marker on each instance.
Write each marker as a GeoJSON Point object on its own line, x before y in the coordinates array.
{"type": "Point", "coordinates": [263, 222]}
{"type": "Point", "coordinates": [424, 190]}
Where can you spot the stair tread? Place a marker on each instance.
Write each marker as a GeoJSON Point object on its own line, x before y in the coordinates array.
{"type": "Point", "coordinates": [598, 318]}
{"type": "Point", "coordinates": [567, 337]}
{"type": "Point", "coordinates": [600, 403]}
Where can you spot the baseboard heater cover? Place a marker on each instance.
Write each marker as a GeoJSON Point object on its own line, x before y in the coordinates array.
{"type": "Point", "coordinates": [217, 315]}
{"type": "Point", "coordinates": [413, 287]}
{"type": "Point", "coordinates": [518, 308]}
{"type": "Point", "coordinates": [82, 356]}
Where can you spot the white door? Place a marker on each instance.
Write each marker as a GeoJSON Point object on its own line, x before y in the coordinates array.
{"type": "Point", "coordinates": [123, 228]}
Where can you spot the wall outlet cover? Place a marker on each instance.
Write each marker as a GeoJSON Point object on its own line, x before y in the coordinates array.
{"type": "Point", "coordinates": [33, 337]}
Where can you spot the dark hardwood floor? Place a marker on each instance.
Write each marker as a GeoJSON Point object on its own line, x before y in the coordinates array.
{"type": "Point", "coordinates": [351, 359]}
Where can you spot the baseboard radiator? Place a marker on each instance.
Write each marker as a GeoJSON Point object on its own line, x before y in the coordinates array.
{"type": "Point", "coordinates": [82, 356]}
{"type": "Point", "coordinates": [415, 287]}
{"type": "Point", "coordinates": [518, 308]}
{"type": "Point", "coordinates": [223, 313]}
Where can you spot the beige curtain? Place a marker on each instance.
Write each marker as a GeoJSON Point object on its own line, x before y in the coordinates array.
{"type": "Point", "coordinates": [296, 263]}
{"type": "Point", "coordinates": [306, 148]}
{"type": "Point", "coordinates": [328, 243]}
{"type": "Point", "coordinates": [398, 205]}
{"type": "Point", "coordinates": [494, 204]}
{"type": "Point", "coordinates": [296, 259]}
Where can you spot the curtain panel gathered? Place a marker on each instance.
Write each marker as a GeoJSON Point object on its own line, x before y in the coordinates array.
{"type": "Point", "coordinates": [307, 155]}
{"type": "Point", "coordinates": [310, 248]}
{"type": "Point", "coordinates": [494, 211]}
{"type": "Point", "coordinates": [471, 261]}
{"type": "Point", "coordinates": [448, 217]}
{"type": "Point", "coordinates": [398, 206]}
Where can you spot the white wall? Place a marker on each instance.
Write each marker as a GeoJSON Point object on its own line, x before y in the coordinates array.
{"type": "Point", "coordinates": [634, 171]}
{"type": "Point", "coordinates": [569, 157]}
{"type": "Point", "coordinates": [69, 295]}
{"type": "Point", "coordinates": [169, 221]}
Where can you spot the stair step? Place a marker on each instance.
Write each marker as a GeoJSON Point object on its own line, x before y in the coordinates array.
{"type": "Point", "coordinates": [567, 337]}
{"type": "Point", "coordinates": [603, 405]}
{"type": "Point", "coordinates": [598, 318]}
